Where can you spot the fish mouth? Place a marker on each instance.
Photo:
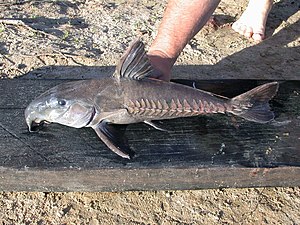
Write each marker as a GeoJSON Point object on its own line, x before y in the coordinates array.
{"type": "Point", "coordinates": [36, 126]}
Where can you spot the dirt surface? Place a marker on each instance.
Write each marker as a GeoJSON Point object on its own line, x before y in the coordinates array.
{"type": "Point", "coordinates": [43, 39]}
{"type": "Point", "coordinates": [228, 206]}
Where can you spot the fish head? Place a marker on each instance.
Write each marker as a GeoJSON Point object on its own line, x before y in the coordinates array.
{"type": "Point", "coordinates": [58, 106]}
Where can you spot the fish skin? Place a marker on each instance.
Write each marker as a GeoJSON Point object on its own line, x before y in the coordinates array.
{"type": "Point", "coordinates": [132, 96]}
{"type": "Point", "coordinates": [151, 99]}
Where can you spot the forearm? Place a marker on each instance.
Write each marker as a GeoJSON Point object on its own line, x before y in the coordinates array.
{"type": "Point", "coordinates": [182, 20]}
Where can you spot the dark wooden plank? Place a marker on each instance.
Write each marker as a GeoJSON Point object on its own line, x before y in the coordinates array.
{"type": "Point", "coordinates": [200, 152]}
{"type": "Point", "coordinates": [118, 179]}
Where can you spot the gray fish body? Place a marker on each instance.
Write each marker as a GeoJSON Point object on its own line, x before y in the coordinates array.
{"type": "Point", "coordinates": [151, 99]}
{"type": "Point", "coordinates": [132, 101]}
{"type": "Point", "coordinates": [129, 96]}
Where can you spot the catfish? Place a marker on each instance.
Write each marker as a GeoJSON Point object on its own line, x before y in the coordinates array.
{"type": "Point", "coordinates": [130, 95]}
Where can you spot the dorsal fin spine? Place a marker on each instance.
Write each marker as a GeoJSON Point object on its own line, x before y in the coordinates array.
{"type": "Point", "coordinates": [134, 64]}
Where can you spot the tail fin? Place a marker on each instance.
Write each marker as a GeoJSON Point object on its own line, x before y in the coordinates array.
{"type": "Point", "coordinates": [253, 105]}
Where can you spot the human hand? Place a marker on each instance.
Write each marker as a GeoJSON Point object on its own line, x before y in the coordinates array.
{"type": "Point", "coordinates": [162, 65]}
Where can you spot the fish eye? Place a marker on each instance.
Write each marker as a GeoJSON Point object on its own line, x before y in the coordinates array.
{"type": "Point", "coordinates": [62, 102]}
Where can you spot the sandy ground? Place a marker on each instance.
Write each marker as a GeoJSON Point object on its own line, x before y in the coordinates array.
{"type": "Point", "coordinates": [36, 36]}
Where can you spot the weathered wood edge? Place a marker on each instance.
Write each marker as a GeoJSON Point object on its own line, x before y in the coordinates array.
{"type": "Point", "coordinates": [73, 179]}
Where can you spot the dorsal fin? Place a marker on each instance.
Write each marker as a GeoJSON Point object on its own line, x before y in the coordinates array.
{"type": "Point", "coordinates": [134, 63]}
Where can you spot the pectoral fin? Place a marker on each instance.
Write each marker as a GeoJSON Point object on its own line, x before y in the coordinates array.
{"type": "Point", "coordinates": [113, 135]}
